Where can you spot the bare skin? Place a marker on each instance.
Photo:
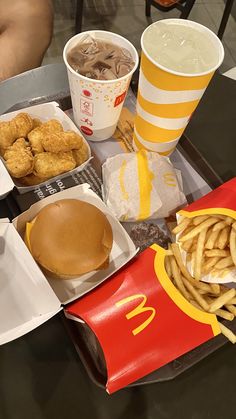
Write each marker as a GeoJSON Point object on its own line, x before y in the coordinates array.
{"type": "Point", "coordinates": [26, 28]}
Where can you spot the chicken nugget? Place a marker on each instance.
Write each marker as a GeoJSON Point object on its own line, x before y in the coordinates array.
{"type": "Point", "coordinates": [47, 165]}
{"type": "Point", "coordinates": [62, 141]}
{"type": "Point", "coordinates": [21, 165]}
{"type": "Point", "coordinates": [8, 134]}
{"type": "Point", "coordinates": [37, 135]}
{"type": "Point", "coordinates": [16, 128]}
{"type": "Point", "coordinates": [23, 124]}
{"type": "Point", "coordinates": [19, 161]}
{"type": "Point", "coordinates": [52, 126]}
{"type": "Point", "coordinates": [35, 138]}
{"type": "Point", "coordinates": [81, 155]}
{"type": "Point", "coordinates": [31, 180]}
{"type": "Point", "coordinates": [2, 151]}
{"type": "Point", "coordinates": [36, 123]}
{"type": "Point", "coordinates": [19, 144]}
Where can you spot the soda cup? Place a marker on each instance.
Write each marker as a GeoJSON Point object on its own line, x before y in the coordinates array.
{"type": "Point", "coordinates": [170, 85]}
{"type": "Point", "coordinates": [97, 104]}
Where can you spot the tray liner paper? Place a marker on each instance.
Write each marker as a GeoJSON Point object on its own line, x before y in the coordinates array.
{"type": "Point", "coordinates": [141, 320]}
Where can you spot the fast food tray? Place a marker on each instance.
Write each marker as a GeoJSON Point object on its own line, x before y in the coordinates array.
{"type": "Point", "coordinates": [14, 204]}
{"type": "Point", "coordinates": [95, 366]}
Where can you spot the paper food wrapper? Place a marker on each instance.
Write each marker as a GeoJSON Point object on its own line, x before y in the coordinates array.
{"type": "Point", "coordinates": [221, 201]}
{"type": "Point", "coordinates": [141, 185]}
{"type": "Point", "coordinates": [144, 324]}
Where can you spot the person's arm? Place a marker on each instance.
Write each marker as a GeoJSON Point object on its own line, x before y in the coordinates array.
{"type": "Point", "coordinates": [25, 33]}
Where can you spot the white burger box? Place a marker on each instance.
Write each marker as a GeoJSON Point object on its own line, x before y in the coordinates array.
{"type": "Point", "coordinates": [44, 112]}
{"type": "Point", "coordinates": [6, 182]}
{"type": "Point", "coordinates": [26, 295]}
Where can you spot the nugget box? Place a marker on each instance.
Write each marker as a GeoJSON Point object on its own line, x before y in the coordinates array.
{"type": "Point", "coordinates": [44, 112]}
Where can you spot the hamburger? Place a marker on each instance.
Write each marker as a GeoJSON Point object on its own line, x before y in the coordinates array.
{"type": "Point", "coordinates": [69, 238]}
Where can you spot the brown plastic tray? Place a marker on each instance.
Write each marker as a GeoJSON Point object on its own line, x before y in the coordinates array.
{"type": "Point", "coordinates": [81, 336]}
{"type": "Point", "coordinates": [93, 359]}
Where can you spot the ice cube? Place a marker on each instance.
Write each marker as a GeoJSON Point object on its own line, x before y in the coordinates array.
{"type": "Point", "coordinates": [98, 59]}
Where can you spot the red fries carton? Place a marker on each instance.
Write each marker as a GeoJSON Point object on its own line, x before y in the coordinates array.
{"type": "Point", "coordinates": [141, 320]}
{"type": "Point", "coordinates": [221, 201]}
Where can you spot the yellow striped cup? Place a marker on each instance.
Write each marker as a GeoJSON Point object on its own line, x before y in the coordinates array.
{"type": "Point", "coordinates": [167, 98]}
{"type": "Point", "coordinates": [164, 149]}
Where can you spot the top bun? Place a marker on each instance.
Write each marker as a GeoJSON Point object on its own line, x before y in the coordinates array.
{"type": "Point", "coordinates": [70, 238]}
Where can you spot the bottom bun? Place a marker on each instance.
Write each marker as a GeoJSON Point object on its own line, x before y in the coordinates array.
{"type": "Point", "coordinates": [53, 275]}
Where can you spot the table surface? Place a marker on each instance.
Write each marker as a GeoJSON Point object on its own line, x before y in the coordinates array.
{"type": "Point", "coordinates": [42, 376]}
{"type": "Point", "coordinates": [212, 127]}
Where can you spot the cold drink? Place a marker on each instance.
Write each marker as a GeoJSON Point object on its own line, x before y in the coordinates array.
{"type": "Point", "coordinates": [100, 60]}
{"type": "Point", "coordinates": [100, 65]}
{"type": "Point", "coordinates": [180, 48]}
{"type": "Point", "coordinates": [179, 58]}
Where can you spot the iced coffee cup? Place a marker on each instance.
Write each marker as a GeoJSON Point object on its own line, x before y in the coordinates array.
{"type": "Point", "coordinates": [179, 58]}
{"type": "Point", "coordinates": [100, 65]}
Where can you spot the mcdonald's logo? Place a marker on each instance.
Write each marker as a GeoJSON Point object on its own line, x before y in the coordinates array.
{"type": "Point", "coordinates": [119, 99]}
{"type": "Point", "coordinates": [137, 310]}
{"type": "Point", "coordinates": [169, 179]}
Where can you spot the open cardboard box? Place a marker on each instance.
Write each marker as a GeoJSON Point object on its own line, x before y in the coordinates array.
{"type": "Point", "coordinates": [6, 182]}
{"type": "Point", "coordinates": [44, 112]}
{"type": "Point", "coordinates": [26, 295]}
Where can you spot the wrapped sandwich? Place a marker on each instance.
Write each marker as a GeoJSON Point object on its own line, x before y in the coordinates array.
{"type": "Point", "coordinates": [141, 185]}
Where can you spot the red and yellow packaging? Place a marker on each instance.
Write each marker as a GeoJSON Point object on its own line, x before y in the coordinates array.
{"type": "Point", "coordinates": [221, 200]}
{"type": "Point", "coordinates": [141, 320]}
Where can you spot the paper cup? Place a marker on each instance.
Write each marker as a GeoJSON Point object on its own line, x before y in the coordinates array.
{"type": "Point", "coordinates": [162, 148]}
{"type": "Point", "coordinates": [139, 145]}
{"type": "Point", "coordinates": [167, 98]}
{"type": "Point", "coordinates": [97, 104]}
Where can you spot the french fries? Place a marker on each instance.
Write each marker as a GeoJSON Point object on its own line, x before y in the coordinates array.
{"type": "Point", "coordinates": [211, 240]}
{"type": "Point", "coordinates": [217, 252]}
{"type": "Point", "coordinates": [197, 296]}
{"type": "Point", "coordinates": [178, 278]}
{"type": "Point", "coordinates": [224, 314]}
{"type": "Point", "coordinates": [232, 245]}
{"type": "Point", "coordinates": [182, 225]}
{"type": "Point", "coordinates": [199, 254]}
{"type": "Point", "coordinates": [198, 220]}
{"type": "Point", "coordinates": [208, 265]}
{"type": "Point", "coordinates": [227, 333]}
{"type": "Point", "coordinates": [219, 226]}
{"type": "Point", "coordinates": [195, 231]}
{"type": "Point", "coordinates": [210, 245]}
{"type": "Point", "coordinates": [224, 263]}
{"type": "Point", "coordinates": [223, 238]}
{"type": "Point", "coordinates": [222, 300]}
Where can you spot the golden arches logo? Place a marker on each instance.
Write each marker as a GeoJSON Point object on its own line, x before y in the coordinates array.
{"type": "Point", "coordinates": [169, 179]}
{"type": "Point", "coordinates": [137, 310]}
